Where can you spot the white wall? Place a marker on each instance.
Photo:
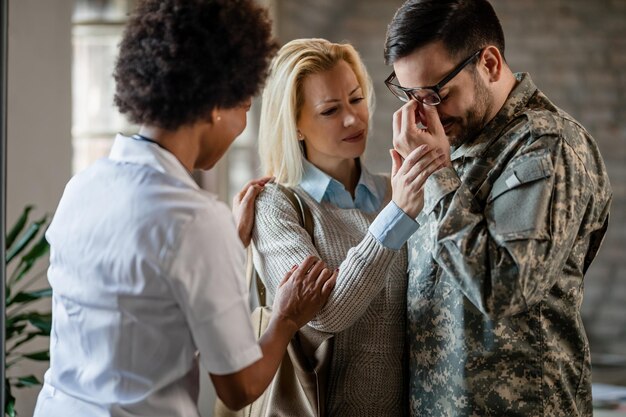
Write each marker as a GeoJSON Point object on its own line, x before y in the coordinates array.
{"type": "Point", "coordinates": [39, 120]}
{"type": "Point", "coordinates": [39, 103]}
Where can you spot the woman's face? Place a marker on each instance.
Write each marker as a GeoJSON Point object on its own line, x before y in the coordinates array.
{"type": "Point", "coordinates": [334, 116]}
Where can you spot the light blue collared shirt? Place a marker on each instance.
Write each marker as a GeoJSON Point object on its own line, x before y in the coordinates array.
{"type": "Point", "coordinates": [392, 227]}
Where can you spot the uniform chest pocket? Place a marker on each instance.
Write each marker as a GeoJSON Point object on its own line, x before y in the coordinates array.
{"type": "Point", "coordinates": [519, 202]}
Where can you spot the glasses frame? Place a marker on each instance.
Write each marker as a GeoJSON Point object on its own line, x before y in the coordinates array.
{"type": "Point", "coordinates": [435, 88]}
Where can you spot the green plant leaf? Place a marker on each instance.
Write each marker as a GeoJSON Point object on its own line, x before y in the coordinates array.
{"type": "Point", "coordinates": [25, 242]}
{"type": "Point", "coordinates": [26, 381]}
{"type": "Point", "coordinates": [27, 297]}
{"type": "Point", "coordinates": [18, 226]}
{"type": "Point", "coordinates": [14, 329]}
{"type": "Point", "coordinates": [38, 250]}
{"type": "Point", "coordinates": [43, 355]}
{"type": "Point", "coordinates": [15, 319]}
{"type": "Point", "coordinates": [25, 239]}
{"type": "Point", "coordinates": [42, 321]}
{"type": "Point", "coordinates": [9, 405]}
{"type": "Point", "coordinates": [29, 336]}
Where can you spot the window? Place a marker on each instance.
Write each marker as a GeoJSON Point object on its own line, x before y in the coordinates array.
{"type": "Point", "coordinates": [97, 30]}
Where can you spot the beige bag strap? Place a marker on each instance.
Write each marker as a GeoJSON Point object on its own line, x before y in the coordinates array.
{"type": "Point", "coordinates": [252, 276]}
{"type": "Point", "coordinates": [306, 220]}
{"type": "Point", "coordinates": [303, 210]}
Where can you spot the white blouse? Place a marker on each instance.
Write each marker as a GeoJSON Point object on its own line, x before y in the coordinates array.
{"type": "Point", "coordinates": [146, 270]}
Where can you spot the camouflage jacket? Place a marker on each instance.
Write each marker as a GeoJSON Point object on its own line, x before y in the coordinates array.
{"type": "Point", "coordinates": [496, 268]}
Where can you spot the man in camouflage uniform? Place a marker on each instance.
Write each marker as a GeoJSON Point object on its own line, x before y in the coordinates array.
{"type": "Point", "coordinates": [508, 228]}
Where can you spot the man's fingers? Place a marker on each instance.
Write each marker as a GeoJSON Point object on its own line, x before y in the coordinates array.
{"type": "Point", "coordinates": [408, 120]}
{"type": "Point", "coordinates": [397, 123]}
{"type": "Point", "coordinates": [433, 122]}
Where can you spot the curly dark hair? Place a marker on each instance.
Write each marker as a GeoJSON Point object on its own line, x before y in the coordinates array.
{"type": "Point", "coordinates": [180, 59]}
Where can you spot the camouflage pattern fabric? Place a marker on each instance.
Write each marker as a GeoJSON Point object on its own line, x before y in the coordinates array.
{"type": "Point", "coordinates": [496, 268]}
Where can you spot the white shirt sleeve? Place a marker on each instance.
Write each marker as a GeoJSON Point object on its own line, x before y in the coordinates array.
{"type": "Point", "coordinates": [207, 274]}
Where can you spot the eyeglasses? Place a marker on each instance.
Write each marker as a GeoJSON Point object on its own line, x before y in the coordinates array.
{"type": "Point", "coordinates": [426, 95]}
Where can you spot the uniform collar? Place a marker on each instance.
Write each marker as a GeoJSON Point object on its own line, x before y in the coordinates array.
{"type": "Point", "coordinates": [514, 104]}
{"type": "Point", "coordinates": [127, 149]}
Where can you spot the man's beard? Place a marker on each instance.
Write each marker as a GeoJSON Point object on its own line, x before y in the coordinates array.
{"type": "Point", "coordinates": [476, 117]}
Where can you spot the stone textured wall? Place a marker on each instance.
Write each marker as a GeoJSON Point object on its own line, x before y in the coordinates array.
{"type": "Point", "coordinates": [575, 51]}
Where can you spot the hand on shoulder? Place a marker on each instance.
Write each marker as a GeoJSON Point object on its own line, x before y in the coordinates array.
{"type": "Point", "coordinates": [243, 208]}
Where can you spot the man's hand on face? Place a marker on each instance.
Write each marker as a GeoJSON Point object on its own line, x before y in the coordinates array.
{"type": "Point", "coordinates": [407, 135]}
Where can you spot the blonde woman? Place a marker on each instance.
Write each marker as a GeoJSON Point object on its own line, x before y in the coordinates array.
{"type": "Point", "coordinates": [314, 125]}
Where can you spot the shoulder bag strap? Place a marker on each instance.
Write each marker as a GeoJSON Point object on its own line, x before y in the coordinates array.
{"type": "Point", "coordinates": [303, 210]}
{"type": "Point", "coordinates": [252, 276]}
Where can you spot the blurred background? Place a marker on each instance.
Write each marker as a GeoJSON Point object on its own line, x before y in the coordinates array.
{"type": "Point", "coordinates": [61, 117]}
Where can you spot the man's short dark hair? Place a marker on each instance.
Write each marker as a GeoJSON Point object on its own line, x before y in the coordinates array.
{"type": "Point", "coordinates": [180, 59]}
{"type": "Point", "coordinates": [464, 26]}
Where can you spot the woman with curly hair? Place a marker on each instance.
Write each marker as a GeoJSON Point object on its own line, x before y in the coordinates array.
{"type": "Point", "coordinates": [146, 268]}
{"type": "Point", "coordinates": [313, 132]}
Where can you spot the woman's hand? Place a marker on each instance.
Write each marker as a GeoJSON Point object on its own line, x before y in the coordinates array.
{"type": "Point", "coordinates": [303, 292]}
{"type": "Point", "coordinates": [408, 176]}
{"type": "Point", "coordinates": [243, 208]}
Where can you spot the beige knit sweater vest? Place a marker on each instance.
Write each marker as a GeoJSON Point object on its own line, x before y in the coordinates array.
{"type": "Point", "coordinates": [367, 308]}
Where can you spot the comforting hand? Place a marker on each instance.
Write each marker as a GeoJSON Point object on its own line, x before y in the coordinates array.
{"type": "Point", "coordinates": [243, 208]}
{"type": "Point", "coordinates": [304, 291]}
{"type": "Point", "coordinates": [408, 176]}
{"type": "Point", "coordinates": [407, 136]}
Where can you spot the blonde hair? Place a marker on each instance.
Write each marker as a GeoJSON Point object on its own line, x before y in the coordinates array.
{"type": "Point", "coordinates": [279, 148]}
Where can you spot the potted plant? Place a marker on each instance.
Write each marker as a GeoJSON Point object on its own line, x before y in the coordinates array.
{"type": "Point", "coordinates": [25, 246]}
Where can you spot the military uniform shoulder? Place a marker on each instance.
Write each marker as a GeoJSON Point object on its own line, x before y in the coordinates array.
{"type": "Point", "coordinates": [554, 128]}
{"type": "Point", "coordinates": [546, 122]}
